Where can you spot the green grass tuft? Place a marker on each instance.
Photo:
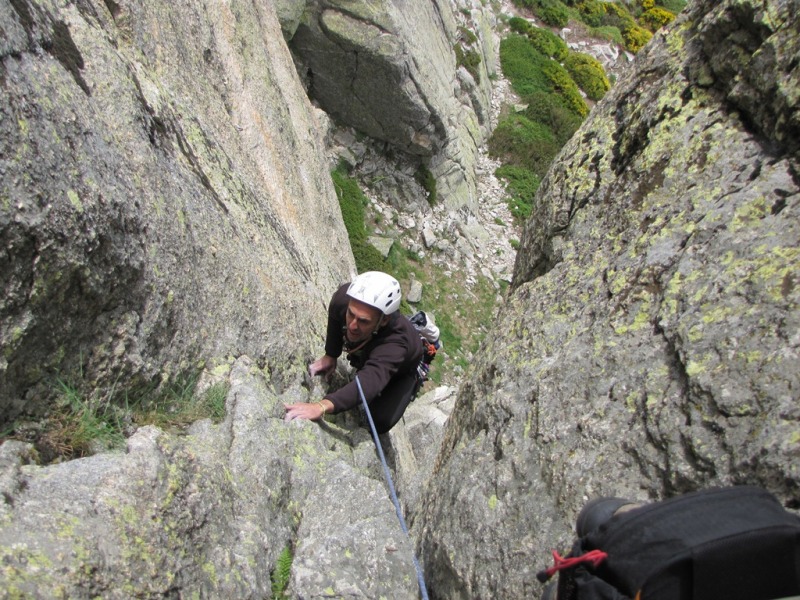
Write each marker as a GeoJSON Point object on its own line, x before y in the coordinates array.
{"type": "Point", "coordinates": [80, 425]}
{"type": "Point", "coordinates": [352, 203]}
{"type": "Point", "coordinates": [521, 185]}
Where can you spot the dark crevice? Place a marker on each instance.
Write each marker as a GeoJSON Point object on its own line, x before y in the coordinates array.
{"type": "Point", "coordinates": [113, 8]}
{"type": "Point", "coordinates": [64, 50]}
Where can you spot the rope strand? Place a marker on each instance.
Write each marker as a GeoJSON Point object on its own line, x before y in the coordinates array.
{"type": "Point", "coordinates": [423, 590]}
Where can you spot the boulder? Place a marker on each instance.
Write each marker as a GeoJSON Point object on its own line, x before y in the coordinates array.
{"type": "Point", "coordinates": [414, 294]}
{"type": "Point", "coordinates": [389, 71]}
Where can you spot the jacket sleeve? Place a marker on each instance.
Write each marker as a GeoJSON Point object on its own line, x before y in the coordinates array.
{"type": "Point", "coordinates": [383, 363]}
{"type": "Point", "coordinates": [337, 308]}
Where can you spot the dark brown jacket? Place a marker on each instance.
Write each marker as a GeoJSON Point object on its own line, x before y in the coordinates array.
{"type": "Point", "coordinates": [395, 349]}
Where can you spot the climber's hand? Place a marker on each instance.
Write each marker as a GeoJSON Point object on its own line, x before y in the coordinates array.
{"type": "Point", "coordinates": [313, 411]}
{"type": "Point", "coordinates": [324, 366]}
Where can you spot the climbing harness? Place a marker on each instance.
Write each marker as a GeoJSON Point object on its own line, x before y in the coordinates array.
{"type": "Point", "coordinates": [423, 590]}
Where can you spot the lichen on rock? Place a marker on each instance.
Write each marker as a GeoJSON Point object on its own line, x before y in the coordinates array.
{"type": "Point", "coordinates": [647, 346]}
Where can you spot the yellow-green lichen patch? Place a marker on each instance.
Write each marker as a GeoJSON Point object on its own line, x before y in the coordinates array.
{"type": "Point", "coordinates": [75, 200]}
{"type": "Point", "coordinates": [696, 367]}
{"type": "Point", "coordinates": [749, 214]}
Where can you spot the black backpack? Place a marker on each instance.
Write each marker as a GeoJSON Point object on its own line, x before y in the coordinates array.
{"type": "Point", "coordinates": [734, 543]}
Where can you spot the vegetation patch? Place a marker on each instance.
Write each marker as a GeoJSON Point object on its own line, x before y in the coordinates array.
{"type": "Point", "coordinates": [280, 575]}
{"type": "Point", "coordinates": [469, 59]}
{"type": "Point", "coordinates": [628, 25]}
{"type": "Point", "coordinates": [524, 143]}
{"type": "Point", "coordinates": [673, 6]}
{"type": "Point", "coordinates": [352, 203]}
{"type": "Point", "coordinates": [521, 186]}
{"type": "Point", "coordinates": [588, 73]}
{"type": "Point", "coordinates": [178, 406]}
{"type": "Point", "coordinates": [549, 110]}
{"type": "Point", "coordinates": [552, 12]}
{"type": "Point", "coordinates": [530, 71]}
{"type": "Point", "coordinates": [544, 40]}
{"type": "Point", "coordinates": [80, 425]}
{"type": "Point", "coordinates": [636, 37]}
{"type": "Point", "coordinates": [426, 179]}
{"type": "Point", "coordinates": [655, 18]}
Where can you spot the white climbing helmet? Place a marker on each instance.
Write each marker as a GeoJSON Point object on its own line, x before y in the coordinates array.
{"type": "Point", "coordinates": [376, 289]}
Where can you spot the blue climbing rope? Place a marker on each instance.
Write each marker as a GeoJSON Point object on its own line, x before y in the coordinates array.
{"type": "Point", "coordinates": [397, 509]}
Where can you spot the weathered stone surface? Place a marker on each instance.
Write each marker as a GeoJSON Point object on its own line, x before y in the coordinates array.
{"type": "Point", "coordinates": [165, 200]}
{"type": "Point", "coordinates": [382, 244]}
{"type": "Point", "coordinates": [650, 345]}
{"type": "Point", "coordinates": [388, 69]}
{"type": "Point", "coordinates": [414, 294]}
{"type": "Point", "coordinates": [289, 13]}
{"type": "Point", "coordinates": [206, 514]}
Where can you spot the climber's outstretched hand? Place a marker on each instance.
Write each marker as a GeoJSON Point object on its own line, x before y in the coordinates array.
{"type": "Point", "coordinates": [324, 366]}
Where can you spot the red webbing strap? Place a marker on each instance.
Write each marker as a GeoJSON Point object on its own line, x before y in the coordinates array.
{"type": "Point", "coordinates": [560, 563]}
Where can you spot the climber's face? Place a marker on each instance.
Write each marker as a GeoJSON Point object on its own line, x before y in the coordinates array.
{"type": "Point", "coordinates": [361, 319]}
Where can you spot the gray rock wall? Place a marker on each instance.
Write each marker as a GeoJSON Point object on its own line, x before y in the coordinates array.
{"type": "Point", "coordinates": [208, 514]}
{"type": "Point", "coordinates": [165, 200]}
{"type": "Point", "coordinates": [650, 345]}
{"type": "Point", "coordinates": [388, 70]}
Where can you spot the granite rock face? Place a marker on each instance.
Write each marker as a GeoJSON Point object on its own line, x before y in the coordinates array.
{"type": "Point", "coordinates": [650, 344]}
{"type": "Point", "coordinates": [208, 514]}
{"type": "Point", "coordinates": [165, 203]}
{"type": "Point", "coordinates": [388, 69]}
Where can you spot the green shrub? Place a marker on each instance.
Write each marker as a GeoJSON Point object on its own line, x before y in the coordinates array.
{"type": "Point", "coordinates": [550, 111]}
{"type": "Point", "coordinates": [617, 16]}
{"type": "Point", "coordinates": [548, 43]}
{"type": "Point", "coordinates": [521, 185]}
{"type": "Point", "coordinates": [591, 12]}
{"type": "Point", "coordinates": [562, 83]}
{"type": "Point", "coordinates": [655, 18]}
{"type": "Point", "coordinates": [588, 73]}
{"type": "Point", "coordinates": [469, 59]}
{"type": "Point", "coordinates": [647, 4]}
{"type": "Point", "coordinates": [520, 25]}
{"type": "Point", "coordinates": [521, 142]}
{"type": "Point", "coordinates": [351, 202]}
{"type": "Point", "coordinates": [426, 179]}
{"type": "Point", "coordinates": [544, 40]}
{"type": "Point", "coordinates": [636, 37]}
{"type": "Point", "coordinates": [467, 35]}
{"type": "Point", "coordinates": [673, 6]}
{"type": "Point", "coordinates": [521, 63]}
{"type": "Point", "coordinates": [367, 258]}
{"type": "Point", "coordinates": [530, 71]}
{"type": "Point", "coordinates": [552, 12]}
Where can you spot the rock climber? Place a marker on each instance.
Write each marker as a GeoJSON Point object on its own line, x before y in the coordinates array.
{"type": "Point", "coordinates": [380, 343]}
